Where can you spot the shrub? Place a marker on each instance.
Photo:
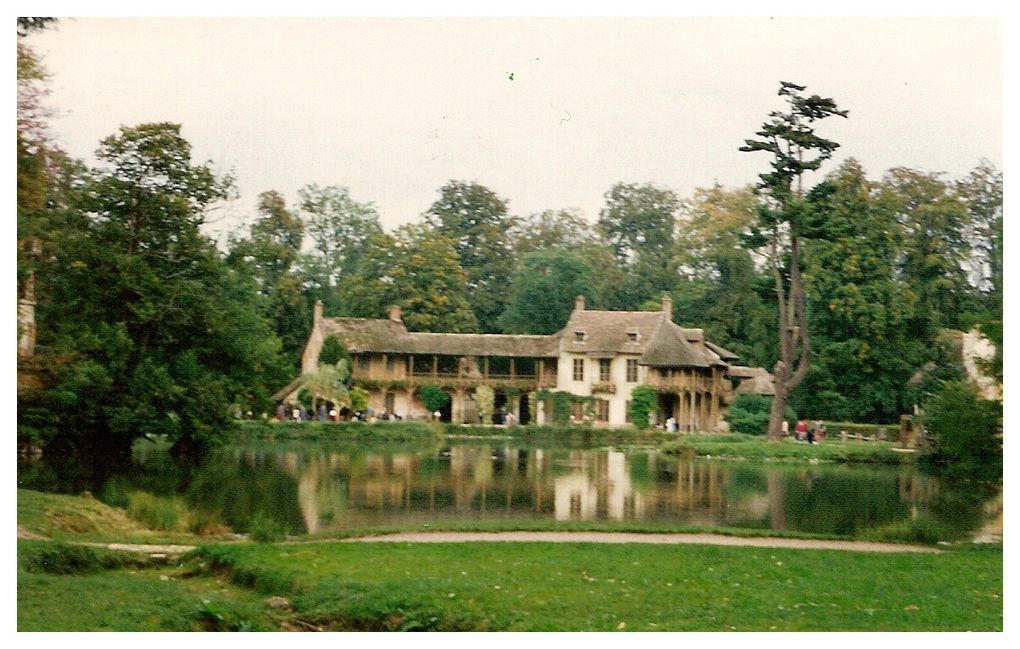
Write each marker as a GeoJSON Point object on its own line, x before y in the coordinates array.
{"type": "Point", "coordinates": [332, 351]}
{"type": "Point", "coordinates": [433, 397]}
{"type": "Point", "coordinates": [485, 400]}
{"type": "Point", "coordinates": [61, 559]}
{"type": "Point", "coordinates": [961, 424]}
{"type": "Point", "coordinates": [749, 414]}
{"type": "Point", "coordinates": [154, 512]}
{"type": "Point", "coordinates": [206, 523]}
{"type": "Point", "coordinates": [643, 402]}
{"type": "Point", "coordinates": [266, 530]}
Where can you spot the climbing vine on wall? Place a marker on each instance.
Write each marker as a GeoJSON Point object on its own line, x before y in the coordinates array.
{"type": "Point", "coordinates": [561, 404]}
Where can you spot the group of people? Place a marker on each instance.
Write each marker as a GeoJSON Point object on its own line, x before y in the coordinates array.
{"type": "Point", "coordinates": [806, 431]}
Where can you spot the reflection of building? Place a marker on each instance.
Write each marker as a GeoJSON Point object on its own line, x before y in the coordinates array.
{"type": "Point", "coordinates": [602, 355]}
{"type": "Point", "coordinates": [605, 492]}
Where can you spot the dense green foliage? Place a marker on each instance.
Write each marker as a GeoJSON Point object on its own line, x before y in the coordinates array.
{"type": "Point", "coordinates": [543, 290]}
{"type": "Point", "coordinates": [332, 351]}
{"type": "Point", "coordinates": [749, 414]}
{"type": "Point", "coordinates": [433, 397]}
{"type": "Point", "coordinates": [962, 425]}
{"type": "Point", "coordinates": [155, 332]}
{"type": "Point", "coordinates": [643, 402]}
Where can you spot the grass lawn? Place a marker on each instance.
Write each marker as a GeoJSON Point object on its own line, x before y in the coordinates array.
{"type": "Point", "coordinates": [754, 447]}
{"type": "Point", "coordinates": [591, 587]}
{"type": "Point", "coordinates": [130, 598]}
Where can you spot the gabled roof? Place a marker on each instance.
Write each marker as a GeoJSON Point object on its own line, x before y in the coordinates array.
{"type": "Point", "coordinates": [607, 331]}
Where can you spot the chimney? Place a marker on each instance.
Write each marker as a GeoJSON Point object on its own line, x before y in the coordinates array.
{"type": "Point", "coordinates": [317, 311]}
{"type": "Point", "coordinates": [579, 303]}
{"type": "Point", "coordinates": [667, 307]}
{"type": "Point", "coordinates": [395, 313]}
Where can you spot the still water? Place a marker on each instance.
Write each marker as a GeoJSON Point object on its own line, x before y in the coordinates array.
{"type": "Point", "coordinates": [316, 489]}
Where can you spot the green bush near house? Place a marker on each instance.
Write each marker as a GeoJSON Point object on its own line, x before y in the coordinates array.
{"type": "Point", "coordinates": [433, 397]}
{"type": "Point", "coordinates": [643, 402]}
{"type": "Point", "coordinates": [749, 414]}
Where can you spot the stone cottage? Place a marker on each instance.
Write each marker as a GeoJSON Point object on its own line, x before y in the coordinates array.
{"type": "Point", "coordinates": [598, 356]}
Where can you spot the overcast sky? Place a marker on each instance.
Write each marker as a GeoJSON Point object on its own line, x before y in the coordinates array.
{"type": "Point", "coordinates": [548, 113]}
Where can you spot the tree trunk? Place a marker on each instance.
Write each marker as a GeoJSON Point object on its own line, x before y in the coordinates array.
{"type": "Point", "coordinates": [778, 411]}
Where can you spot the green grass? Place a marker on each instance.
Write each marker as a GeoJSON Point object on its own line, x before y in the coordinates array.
{"type": "Point", "coordinates": [591, 587]}
{"type": "Point", "coordinates": [544, 525]}
{"type": "Point", "coordinates": [83, 518]}
{"type": "Point", "coordinates": [113, 593]}
{"type": "Point", "coordinates": [383, 432]}
{"type": "Point", "coordinates": [753, 447]}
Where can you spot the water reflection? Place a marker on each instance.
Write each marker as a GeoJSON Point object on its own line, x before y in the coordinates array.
{"type": "Point", "coordinates": [315, 490]}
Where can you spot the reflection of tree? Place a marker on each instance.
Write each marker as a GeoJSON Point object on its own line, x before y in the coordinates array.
{"type": "Point", "coordinates": [840, 502]}
{"type": "Point", "coordinates": [243, 483]}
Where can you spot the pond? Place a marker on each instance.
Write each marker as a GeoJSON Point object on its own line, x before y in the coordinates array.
{"type": "Point", "coordinates": [311, 488]}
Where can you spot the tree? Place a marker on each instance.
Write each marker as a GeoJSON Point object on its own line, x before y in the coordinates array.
{"type": "Point", "coordinates": [962, 426]}
{"type": "Point", "coordinates": [330, 383]}
{"type": "Point", "coordinates": [158, 334]}
{"type": "Point", "coordinates": [475, 219]}
{"type": "Point", "coordinates": [340, 229]}
{"type": "Point", "coordinates": [719, 288]}
{"type": "Point", "coordinates": [638, 222]}
{"type": "Point", "coordinates": [982, 192]}
{"type": "Point", "coordinates": [268, 255]}
{"type": "Point", "coordinates": [433, 397]}
{"type": "Point", "coordinates": [565, 229]}
{"type": "Point", "coordinates": [935, 250]}
{"type": "Point", "coordinates": [543, 290]}
{"type": "Point", "coordinates": [416, 269]}
{"type": "Point", "coordinates": [791, 141]}
{"type": "Point", "coordinates": [865, 349]}
{"type": "Point", "coordinates": [485, 403]}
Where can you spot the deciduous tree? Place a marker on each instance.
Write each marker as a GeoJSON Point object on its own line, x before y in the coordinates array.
{"type": "Point", "coordinates": [790, 139]}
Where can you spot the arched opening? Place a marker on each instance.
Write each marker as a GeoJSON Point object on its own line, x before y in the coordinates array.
{"type": "Point", "coordinates": [525, 410]}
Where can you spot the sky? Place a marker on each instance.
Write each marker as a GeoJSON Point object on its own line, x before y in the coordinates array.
{"type": "Point", "coordinates": [547, 112]}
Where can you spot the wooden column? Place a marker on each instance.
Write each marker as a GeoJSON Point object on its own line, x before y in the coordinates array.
{"type": "Point", "coordinates": [435, 366]}
{"type": "Point", "coordinates": [485, 373]}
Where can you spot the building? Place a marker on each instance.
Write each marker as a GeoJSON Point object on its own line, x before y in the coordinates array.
{"type": "Point", "coordinates": [599, 357]}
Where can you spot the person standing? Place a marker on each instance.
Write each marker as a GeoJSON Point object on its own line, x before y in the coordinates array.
{"type": "Point", "coordinates": [801, 430]}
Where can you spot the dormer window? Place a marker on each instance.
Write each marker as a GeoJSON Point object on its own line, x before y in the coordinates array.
{"type": "Point", "coordinates": [580, 336]}
{"type": "Point", "coordinates": [632, 335]}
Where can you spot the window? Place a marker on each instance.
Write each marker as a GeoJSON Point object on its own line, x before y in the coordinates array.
{"type": "Point", "coordinates": [602, 410]}
{"type": "Point", "coordinates": [579, 336]}
{"type": "Point", "coordinates": [626, 413]}
{"type": "Point", "coordinates": [632, 335]}
{"type": "Point", "coordinates": [631, 370]}
{"type": "Point", "coordinates": [363, 362]}
{"type": "Point", "coordinates": [389, 363]}
{"type": "Point", "coordinates": [604, 370]}
{"type": "Point", "coordinates": [578, 369]}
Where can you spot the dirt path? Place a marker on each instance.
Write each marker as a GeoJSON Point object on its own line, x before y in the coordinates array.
{"type": "Point", "coordinates": [553, 537]}
{"type": "Point", "coordinates": [628, 537]}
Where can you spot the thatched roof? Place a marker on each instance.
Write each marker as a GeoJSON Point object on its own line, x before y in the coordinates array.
{"type": "Point", "coordinates": [361, 335]}
{"type": "Point", "coordinates": [669, 347]}
{"type": "Point", "coordinates": [610, 331]}
{"type": "Point", "coordinates": [754, 380]}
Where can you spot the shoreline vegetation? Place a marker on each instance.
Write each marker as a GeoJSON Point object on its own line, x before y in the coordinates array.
{"type": "Point", "coordinates": [708, 445]}
{"type": "Point", "coordinates": [313, 583]}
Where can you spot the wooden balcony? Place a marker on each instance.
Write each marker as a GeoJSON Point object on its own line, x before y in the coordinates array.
{"type": "Point", "coordinates": [604, 387]}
